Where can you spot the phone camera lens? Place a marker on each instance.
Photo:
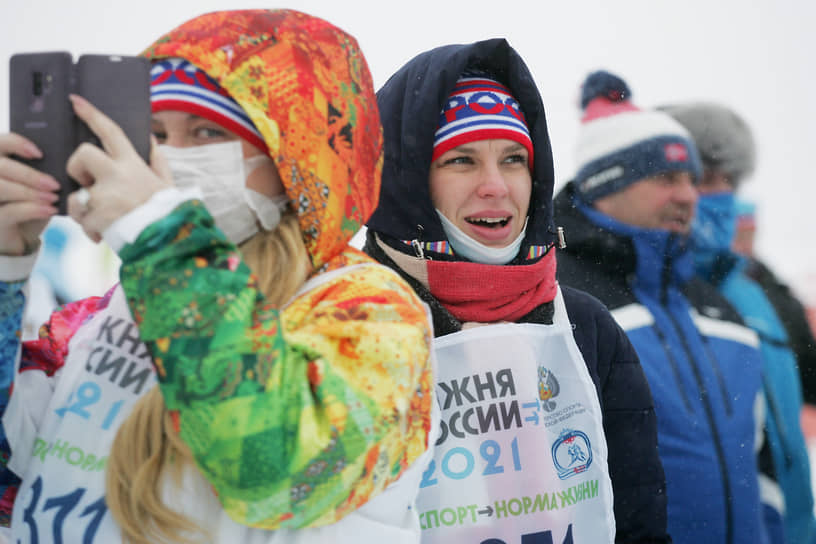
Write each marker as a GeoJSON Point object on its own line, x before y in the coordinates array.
{"type": "Point", "coordinates": [37, 84]}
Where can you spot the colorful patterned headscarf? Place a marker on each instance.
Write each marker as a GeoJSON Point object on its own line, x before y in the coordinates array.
{"type": "Point", "coordinates": [306, 87]}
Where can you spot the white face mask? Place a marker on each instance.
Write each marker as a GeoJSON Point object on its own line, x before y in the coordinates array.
{"type": "Point", "coordinates": [220, 172]}
{"type": "Point", "coordinates": [476, 251]}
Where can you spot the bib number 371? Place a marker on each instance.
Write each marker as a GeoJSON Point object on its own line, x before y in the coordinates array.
{"type": "Point", "coordinates": [62, 507]}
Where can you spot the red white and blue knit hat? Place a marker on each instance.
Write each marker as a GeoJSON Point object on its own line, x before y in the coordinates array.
{"type": "Point", "coordinates": [480, 108]}
{"type": "Point", "coordinates": [178, 85]}
{"type": "Point", "coordinates": [619, 144]}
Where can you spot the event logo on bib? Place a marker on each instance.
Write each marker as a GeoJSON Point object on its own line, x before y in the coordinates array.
{"type": "Point", "coordinates": [571, 453]}
{"type": "Point", "coordinates": [548, 388]}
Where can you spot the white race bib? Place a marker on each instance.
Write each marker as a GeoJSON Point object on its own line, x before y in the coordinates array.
{"type": "Point", "coordinates": [107, 369]}
{"type": "Point", "coordinates": [522, 457]}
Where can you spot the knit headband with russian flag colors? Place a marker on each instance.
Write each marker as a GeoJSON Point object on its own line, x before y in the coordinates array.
{"type": "Point", "coordinates": [480, 108]}
{"type": "Point", "coordinates": [620, 144]}
{"type": "Point", "coordinates": [178, 85]}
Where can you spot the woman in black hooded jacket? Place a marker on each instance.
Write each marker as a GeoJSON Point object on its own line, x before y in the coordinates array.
{"type": "Point", "coordinates": [548, 421]}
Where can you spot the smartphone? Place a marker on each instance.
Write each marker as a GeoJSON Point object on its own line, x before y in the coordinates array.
{"type": "Point", "coordinates": [40, 110]}
{"type": "Point", "coordinates": [119, 86]}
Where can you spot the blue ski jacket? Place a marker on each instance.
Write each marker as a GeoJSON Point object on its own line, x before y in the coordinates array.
{"type": "Point", "coordinates": [782, 388]}
{"type": "Point", "coordinates": [703, 366]}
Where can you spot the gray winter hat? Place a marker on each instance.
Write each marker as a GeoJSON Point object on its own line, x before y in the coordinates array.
{"type": "Point", "coordinates": [722, 137]}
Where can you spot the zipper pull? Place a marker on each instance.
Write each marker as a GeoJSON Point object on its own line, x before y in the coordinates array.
{"type": "Point", "coordinates": [562, 241]}
{"type": "Point", "coordinates": [420, 253]}
{"type": "Point", "coordinates": [416, 243]}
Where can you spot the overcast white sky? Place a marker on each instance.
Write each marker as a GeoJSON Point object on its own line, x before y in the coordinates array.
{"type": "Point", "coordinates": [756, 56]}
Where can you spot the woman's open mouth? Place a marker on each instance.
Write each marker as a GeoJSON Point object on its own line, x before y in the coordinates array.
{"type": "Point", "coordinates": [489, 222]}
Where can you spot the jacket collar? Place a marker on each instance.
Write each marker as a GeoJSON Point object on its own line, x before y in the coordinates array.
{"type": "Point", "coordinates": [650, 259]}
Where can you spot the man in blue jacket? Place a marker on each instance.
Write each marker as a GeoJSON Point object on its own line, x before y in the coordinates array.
{"type": "Point", "coordinates": [726, 147]}
{"type": "Point", "coordinates": [627, 215]}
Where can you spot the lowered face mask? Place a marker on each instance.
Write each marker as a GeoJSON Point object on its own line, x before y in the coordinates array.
{"type": "Point", "coordinates": [465, 246]}
{"type": "Point", "coordinates": [220, 172]}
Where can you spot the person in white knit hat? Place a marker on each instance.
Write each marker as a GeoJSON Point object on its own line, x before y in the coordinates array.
{"type": "Point", "coordinates": [627, 215]}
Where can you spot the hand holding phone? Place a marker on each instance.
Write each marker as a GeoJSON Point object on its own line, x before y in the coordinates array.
{"type": "Point", "coordinates": [40, 83]}
{"type": "Point", "coordinates": [115, 179]}
{"type": "Point", "coordinates": [27, 197]}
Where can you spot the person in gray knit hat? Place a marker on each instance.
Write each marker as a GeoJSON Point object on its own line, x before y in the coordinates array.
{"type": "Point", "coordinates": [728, 152]}
{"type": "Point", "coordinates": [722, 137]}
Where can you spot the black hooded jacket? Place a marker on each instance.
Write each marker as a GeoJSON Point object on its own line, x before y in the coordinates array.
{"type": "Point", "coordinates": [410, 103]}
{"type": "Point", "coordinates": [794, 318]}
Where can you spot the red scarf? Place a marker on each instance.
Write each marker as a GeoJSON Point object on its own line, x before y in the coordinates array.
{"type": "Point", "coordinates": [489, 293]}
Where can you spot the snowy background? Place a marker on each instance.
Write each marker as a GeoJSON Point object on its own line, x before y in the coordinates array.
{"type": "Point", "coordinates": [755, 57]}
